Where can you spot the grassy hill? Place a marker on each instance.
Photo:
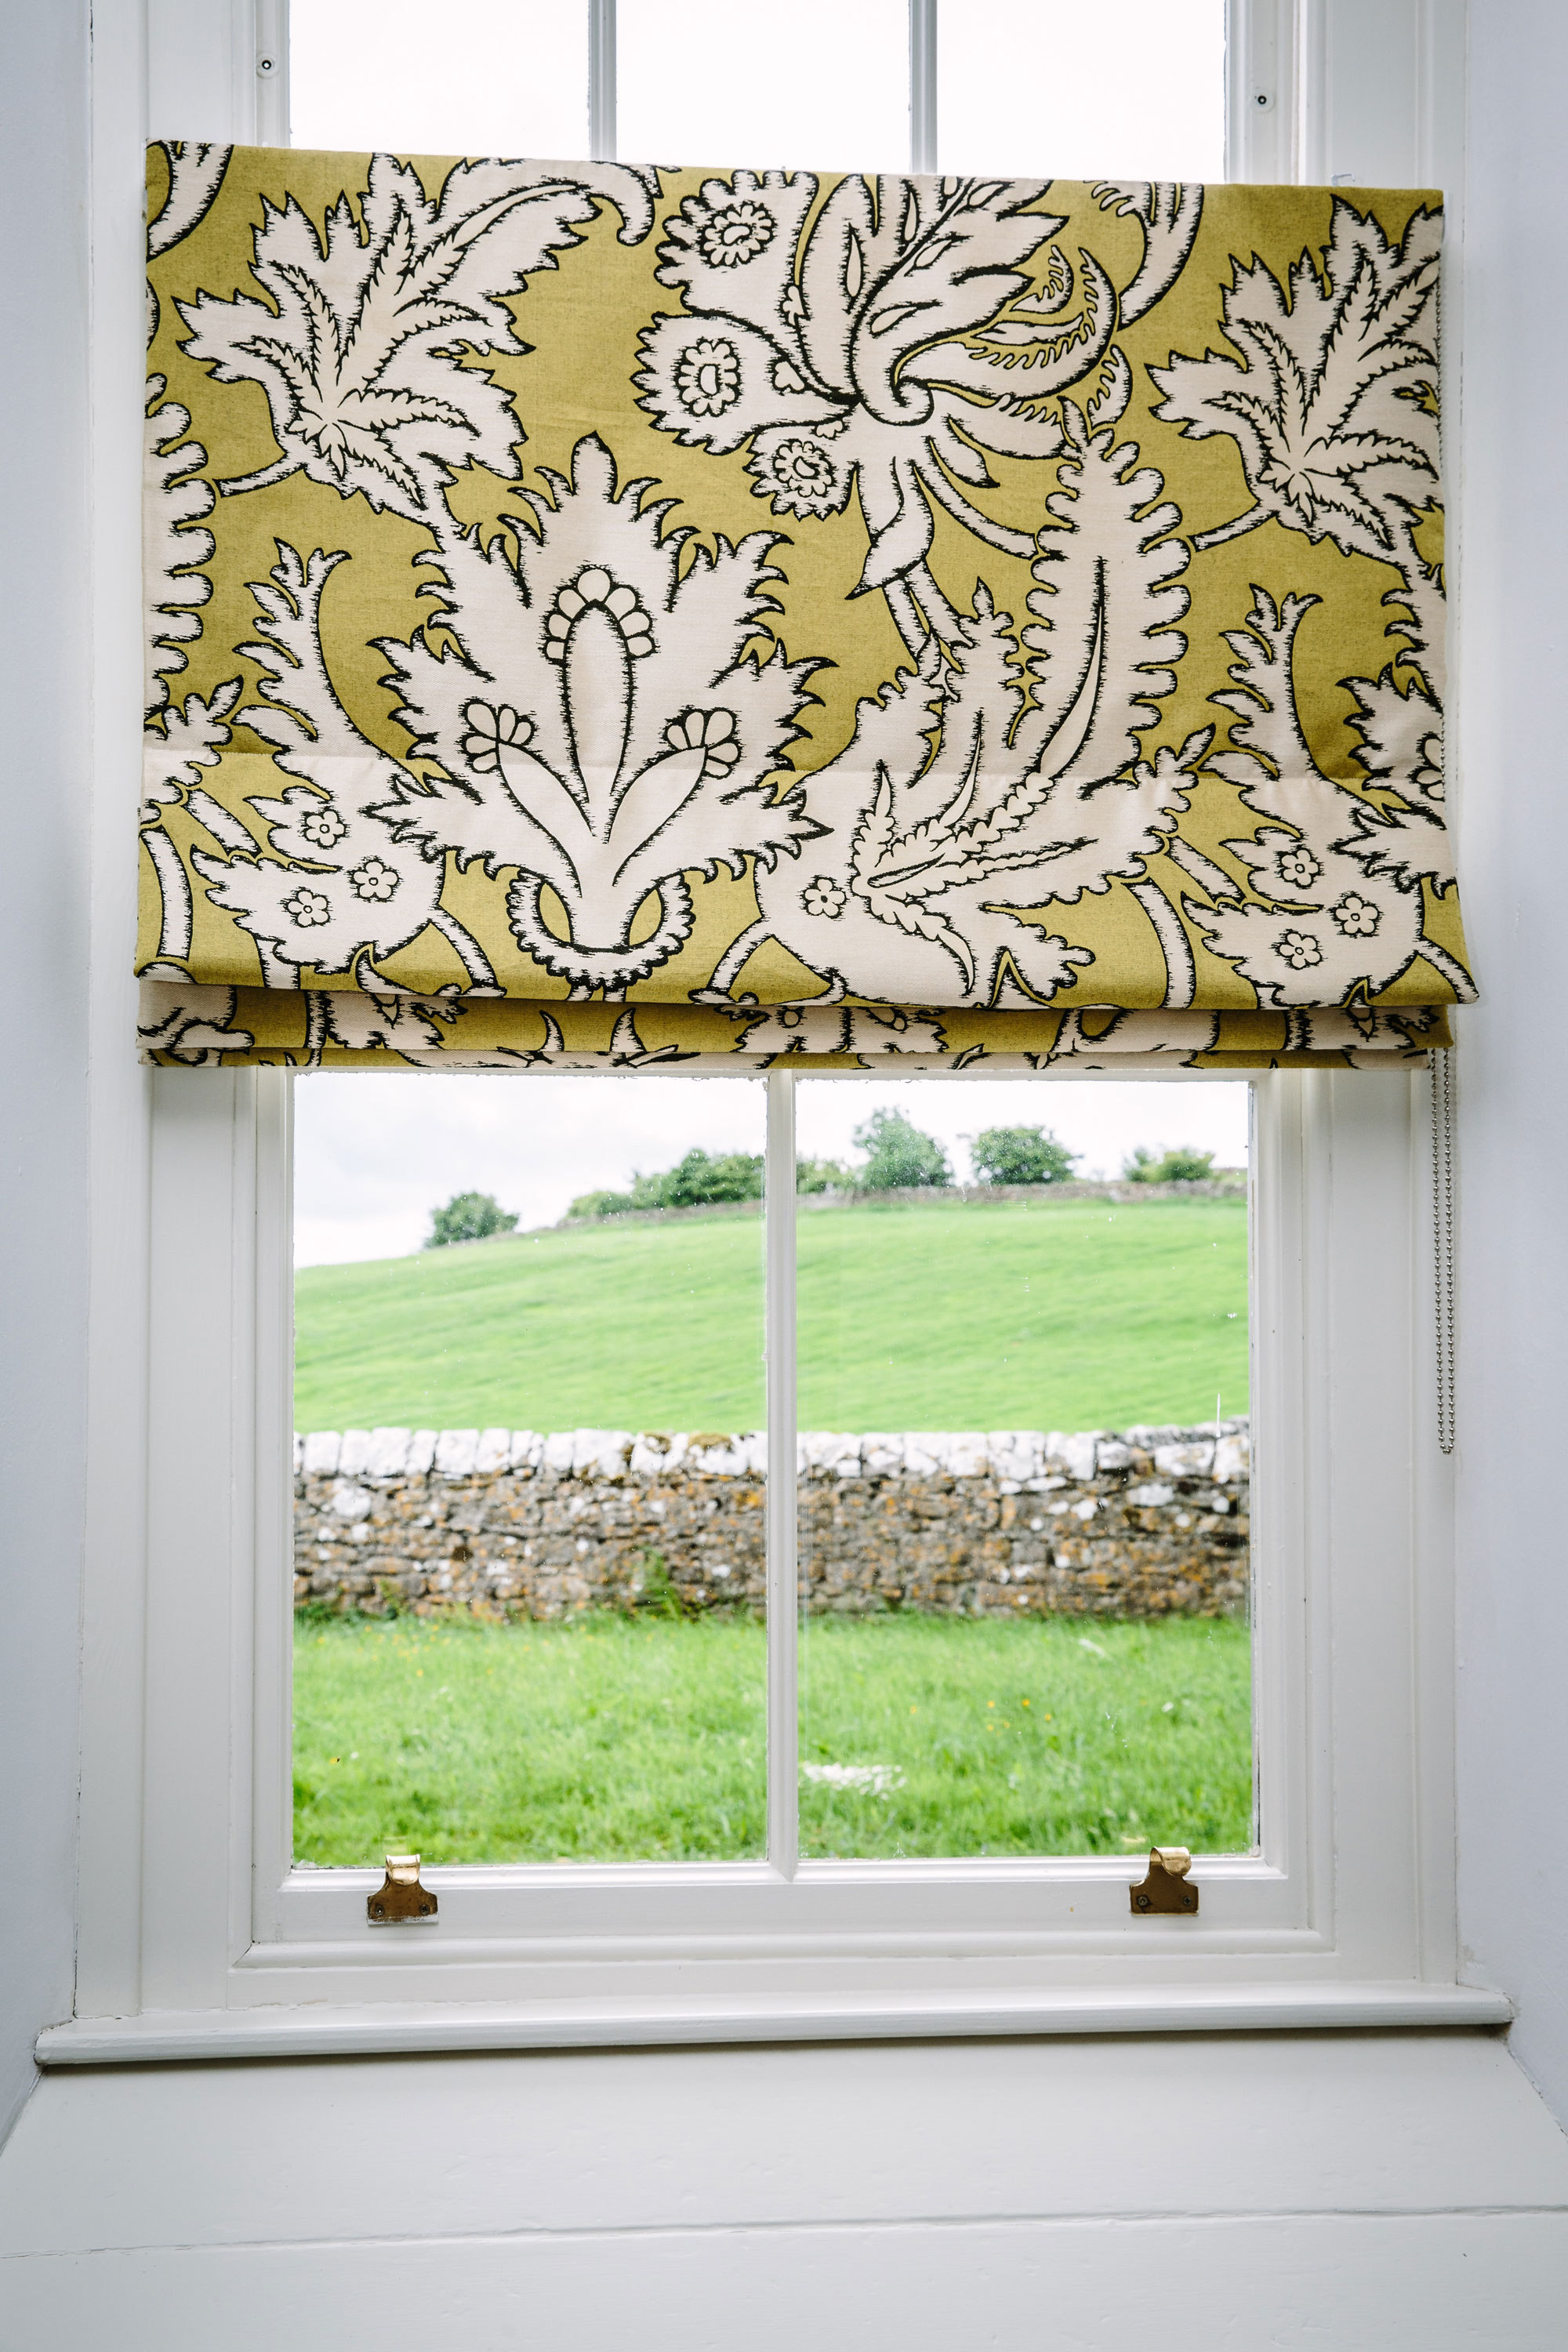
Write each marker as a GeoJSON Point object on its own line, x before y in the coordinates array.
{"type": "Point", "coordinates": [1046, 1314]}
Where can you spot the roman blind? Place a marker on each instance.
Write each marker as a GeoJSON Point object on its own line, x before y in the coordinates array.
{"type": "Point", "coordinates": [615, 618]}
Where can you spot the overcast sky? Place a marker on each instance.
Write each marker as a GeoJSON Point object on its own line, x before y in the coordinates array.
{"type": "Point", "coordinates": [374, 1154]}
{"type": "Point", "coordinates": [727, 81]}
{"type": "Point", "coordinates": [1025, 85]}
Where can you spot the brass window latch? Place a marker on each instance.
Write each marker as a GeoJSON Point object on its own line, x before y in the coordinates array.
{"type": "Point", "coordinates": [400, 1899]}
{"type": "Point", "coordinates": [1167, 1887]}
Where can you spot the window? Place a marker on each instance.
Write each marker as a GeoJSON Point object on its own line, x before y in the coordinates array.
{"type": "Point", "coordinates": [197, 1933]}
{"type": "Point", "coordinates": [1020, 1413]}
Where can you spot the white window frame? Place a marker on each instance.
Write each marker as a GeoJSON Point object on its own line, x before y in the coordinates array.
{"type": "Point", "coordinates": [197, 1937]}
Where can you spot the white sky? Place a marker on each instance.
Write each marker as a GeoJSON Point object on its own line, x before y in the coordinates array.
{"type": "Point", "coordinates": [1086, 91]}
{"type": "Point", "coordinates": [1136, 89]}
{"type": "Point", "coordinates": [374, 1153]}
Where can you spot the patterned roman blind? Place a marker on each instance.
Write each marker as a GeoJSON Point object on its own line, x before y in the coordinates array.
{"type": "Point", "coordinates": [603, 617]}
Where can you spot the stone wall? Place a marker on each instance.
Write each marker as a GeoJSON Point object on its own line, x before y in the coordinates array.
{"type": "Point", "coordinates": [1140, 1523]}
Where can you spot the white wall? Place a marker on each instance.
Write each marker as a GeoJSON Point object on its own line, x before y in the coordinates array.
{"type": "Point", "coordinates": [46, 700]}
{"type": "Point", "coordinates": [1512, 709]}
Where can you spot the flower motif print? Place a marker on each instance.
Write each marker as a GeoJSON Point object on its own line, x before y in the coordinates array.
{"type": "Point", "coordinates": [373, 879]}
{"type": "Point", "coordinates": [625, 759]}
{"type": "Point", "coordinates": [1300, 949]}
{"type": "Point", "coordinates": [1428, 776]}
{"type": "Point", "coordinates": [1297, 867]}
{"type": "Point", "coordinates": [323, 828]}
{"type": "Point", "coordinates": [710, 731]}
{"type": "Point", "coordinates": [595, 587]}
{"type": "Point", "coordinates": [708, 378]}
{"type": "Point", "coordinates": [307, 908]}
{"type": "Point", "coordinates": [731, 235]}
{"type": "Point", "coordinates": [1371, 860]}
{"type": "Point", "coordinates": [876, 315]}
{"type": "Point", "coordinates": [825, 897]}
{"type": "Point", "coordinates": [1356, 916]}
{"type": "Point", "coordinates": [800, 474]}
{"type": "Point", "coordinates": [491, 732]}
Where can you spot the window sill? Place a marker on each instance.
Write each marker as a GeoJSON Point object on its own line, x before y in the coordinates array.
{"type": "Point", "coordinates": [165, 2037]}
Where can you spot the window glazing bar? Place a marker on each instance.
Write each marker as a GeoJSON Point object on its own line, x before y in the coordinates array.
{"type": "Point", "coordinates": [922, 85]}
{"type": "Point", "coordinates": [602, 80]}
{"type": "Point", "coordinates": [778, 1210]}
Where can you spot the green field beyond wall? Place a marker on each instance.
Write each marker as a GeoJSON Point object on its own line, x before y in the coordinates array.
{"type": "Point", "coordinates": [970, 1314]}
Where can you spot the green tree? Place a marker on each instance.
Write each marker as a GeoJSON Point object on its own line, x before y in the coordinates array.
{"type": "Point", "coordinates": [898, 1152]}
{"type": "Point", "coordinates": [1181, 1166]}
{"type": "Point", "coordinates": [600, 1204]}
{"type": "Point", "coordinates": [692, 1183]}
{"type": "Point", "coordinates": [701, 1178]}
{"type": "Point", "coordinates": [467, 1217]}
{"type": "Point", "coordinates": [822, 1176]}
{"type": "Point", "coordinates": [1021, 1155]}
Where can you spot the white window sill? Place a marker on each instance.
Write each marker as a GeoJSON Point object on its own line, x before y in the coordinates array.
{"type": "Point", "coordinates": [172, 2036]}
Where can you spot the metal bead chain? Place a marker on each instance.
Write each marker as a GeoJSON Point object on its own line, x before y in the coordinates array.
{"type": "Point", "coordinates": [1442, 1078]}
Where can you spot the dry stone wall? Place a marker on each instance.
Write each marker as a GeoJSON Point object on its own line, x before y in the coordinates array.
{"type": "Point", "coordinates": [513, 1522]}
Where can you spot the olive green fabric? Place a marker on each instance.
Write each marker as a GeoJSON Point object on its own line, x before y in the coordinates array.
{"type": "Point", "coordinates": [605, 617]}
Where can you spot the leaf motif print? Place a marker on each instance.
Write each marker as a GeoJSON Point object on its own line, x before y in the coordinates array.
{"type": "Point", "coordinates": [175, 541]}
{"type": "Point", "coordinates": [605, 730]}
{"type": "Point", "coordinates": [1168, 212]}
{"type": "Point", "coordinates": [1340, 915]}
{"type": "Point", "coordinates": [195, 175]}
{"type": "Point", "coordinates": [356, 355]}
{"type": "Point", "coordinates": [1332, 402]}
{"type": "Point", "coordinates": [995, 782]}
{"type": "Point", "coordinates": [335, 886]}
{"type": "Point", "coordinates": [195, 171]}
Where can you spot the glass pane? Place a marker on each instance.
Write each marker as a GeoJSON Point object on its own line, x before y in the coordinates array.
{"type": "Point", "coordinates": [472, 78]}
{"type": "Point", "coordinates": [1023, 1499]}
{"type": "Point", "coordinates": [702, 81]}
{"type": "Point", "coordinates": [1051, 88]}
{"type": "Point", "coordinates": [529, 1510]}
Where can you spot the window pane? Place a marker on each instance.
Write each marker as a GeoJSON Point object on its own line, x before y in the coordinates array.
{"type": "Point", "coordinates": [472, 78]}
{"type": "Point", "coordinates": [701, 81]}
{"type": "Point", "coordinates": [1051, 88]}
{"type": "Point", "coordinates": [539, 1636]}
{"type": "Point", "coordinates": [1023, 1501]}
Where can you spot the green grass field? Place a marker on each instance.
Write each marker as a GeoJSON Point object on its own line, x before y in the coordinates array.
{"type": "Point", "coordinates": [1029, 1315]}
{"type": "Point", "coordinates": [611, 1739]}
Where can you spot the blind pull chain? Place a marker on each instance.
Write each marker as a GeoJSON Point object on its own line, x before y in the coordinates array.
{"type": "Point", "coordinates": [1442, 1076]}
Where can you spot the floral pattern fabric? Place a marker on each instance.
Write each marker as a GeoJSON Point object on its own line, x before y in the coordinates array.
{"type": "Point", "coordinates": [603, 617]}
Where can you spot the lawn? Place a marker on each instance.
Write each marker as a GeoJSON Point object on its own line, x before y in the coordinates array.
{"type": "Point", "coordinates": [611, 1739]}
{"type": "Point", "coordinates": [970, 1314]}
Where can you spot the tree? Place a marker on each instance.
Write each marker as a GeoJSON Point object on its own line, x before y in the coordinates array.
{"type": "Point", "coordinates": [699, 1179]}
{"type": "Point", "coordinates": [599, 1204]}
{"type": "Point", "coordinates": [692, 1183]}
{"type": "Point", "coordinates": [1021, 1155]}
{"type": "Point", "coordinates": [822, 1176]}
{"type": "Point", "coordinates": [467, 1217]}
{"type": "Point", "coordinates": [898, 1152]}
{"type": "Point", "coordinates": [1181, 1166]}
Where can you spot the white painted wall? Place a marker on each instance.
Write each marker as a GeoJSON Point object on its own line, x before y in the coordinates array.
{"type": "Point", "coordinates": [45, 697]}
{"type": "Point", "coordinates": [1385, 2191]}
{"type": "Point", "coordinates": [1339, 2193]}
{"type": "Point", "coordinates": [1513, 1093]}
